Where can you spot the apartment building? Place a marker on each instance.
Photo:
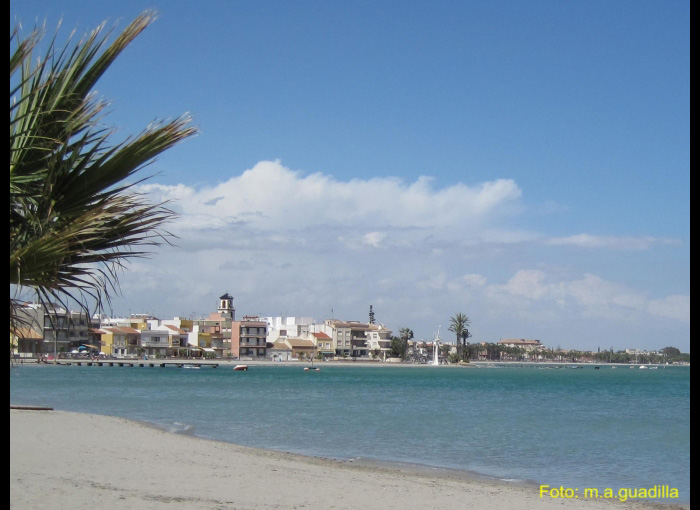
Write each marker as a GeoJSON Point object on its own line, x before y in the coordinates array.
{"type": "Point", "coordinates": [249, 338]}
{"type": "Point", "coordinates": [54, 329]}
{"type": "Point", "coordinates": [357, 339]}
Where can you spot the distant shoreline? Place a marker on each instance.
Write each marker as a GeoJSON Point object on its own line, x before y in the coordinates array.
{"type": "Point", "coordinates": [320, 364]}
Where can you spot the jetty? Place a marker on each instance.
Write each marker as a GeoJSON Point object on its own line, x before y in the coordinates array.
{"type": "Point", "coordinates": [151, 363]}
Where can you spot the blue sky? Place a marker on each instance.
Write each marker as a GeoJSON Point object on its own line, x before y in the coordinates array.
{"type": "Point", "coordinates": [525, 163]}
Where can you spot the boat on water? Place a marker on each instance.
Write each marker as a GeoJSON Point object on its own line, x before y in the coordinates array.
{"type": "Point", "coordinates": [190, 365]}
{"type": "Point", "coordinates": [241, 367]}
{"type": "Point", "coordinates": [312, 368]}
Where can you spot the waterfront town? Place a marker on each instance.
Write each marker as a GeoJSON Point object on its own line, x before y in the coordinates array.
{"type": "Point", "coordinates": [61, 333]}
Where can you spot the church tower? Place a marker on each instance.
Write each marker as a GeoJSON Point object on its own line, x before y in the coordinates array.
{"type": "Point", "coordinates": [226, 308]}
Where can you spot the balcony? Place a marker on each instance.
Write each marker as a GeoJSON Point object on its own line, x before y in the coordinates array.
{"type": "Point", "coordinates": [253, 342]}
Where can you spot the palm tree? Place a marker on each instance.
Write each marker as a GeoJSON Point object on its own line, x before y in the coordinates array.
{"type": "Point", "coordinates": [74, 218]}
{"type": "Point", "coordinates": [406, 334]}
{"type": "Point", "coordinates": [444, 350]}
{"type": "Point", "coordinates": [458, 326]}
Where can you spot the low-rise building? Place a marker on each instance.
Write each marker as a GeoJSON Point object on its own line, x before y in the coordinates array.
{"type": "Point", "coordinates": [528, 345]}
{"type": "Point", "coordinates": [163, 340]}
{"type": "Point", "coordinates": [302, 349]}
{"type": "Point", "coordinates": [279, 351]}
{"type": "Point", "coordinates": [121, 341]}
{"type": "Point", "coordinates": [26, 342]}
{"type": "Point", "coordinates": [324, 344]}
{"type": "Point", "coordinates": [289, 349]}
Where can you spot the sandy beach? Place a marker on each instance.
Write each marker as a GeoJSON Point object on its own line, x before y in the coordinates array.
{"type": "Point", "coordinates": [71, 460]}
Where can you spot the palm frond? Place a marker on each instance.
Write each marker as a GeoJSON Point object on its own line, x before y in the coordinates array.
{"type": "Point", "coordinates": [74, 216]}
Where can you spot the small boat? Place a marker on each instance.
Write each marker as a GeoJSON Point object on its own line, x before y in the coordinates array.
{"type": "Point", "coordinates": [189, 365]}
{"type": "Point", "coordinates": [241, 367]}
{"type": "Point", "coordinates": [312, 369]}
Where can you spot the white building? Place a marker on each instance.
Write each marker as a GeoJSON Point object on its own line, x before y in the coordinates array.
{"type": "Point", "coordinates": [288, 327]}
{"type": "Point", "coordinates": [163, 340]}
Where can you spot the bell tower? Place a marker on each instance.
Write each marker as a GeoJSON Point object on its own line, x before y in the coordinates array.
{"type": "Point", "coordinates": [226, 308]}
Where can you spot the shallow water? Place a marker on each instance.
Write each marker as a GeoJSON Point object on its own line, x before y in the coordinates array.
{"type": "Point", "coordinates": [626, 428]}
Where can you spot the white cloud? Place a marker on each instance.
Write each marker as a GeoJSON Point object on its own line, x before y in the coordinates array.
{"type": "Point", "coordinates": [466, 283]}
{"type": "Point", "coordinates": [611, 242]}
{"type": "Point", "coordinates": [374, 238]}
{"type": "Point", "coordinates": [473, 280]}
{"type": "Point", "coordinates": [285, 242]}
{"type": "Point", "coordinates": [589, 296]}
{"type": "Point", "coordinates": [272, 197]}
{"type": "Point", "coordinates": [529, 283]}
{"type": "Point", "coordinates": [676, 307]}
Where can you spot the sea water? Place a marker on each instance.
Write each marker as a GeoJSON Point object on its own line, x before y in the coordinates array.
{"type": "Point", "coordinates": [603, 428]}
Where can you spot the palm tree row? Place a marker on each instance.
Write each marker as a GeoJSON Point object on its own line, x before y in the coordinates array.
{"type": "Point", "coordinates": [74, 217]}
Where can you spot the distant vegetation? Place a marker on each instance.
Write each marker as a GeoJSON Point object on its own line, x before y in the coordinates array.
{"type": "Point", "coordinates": [462, 351]}
{"type": "Point", "coordinates": [495, 352]}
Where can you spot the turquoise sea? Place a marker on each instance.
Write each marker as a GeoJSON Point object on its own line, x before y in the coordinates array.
{"type": "Point", "coordinates": [617, 428]}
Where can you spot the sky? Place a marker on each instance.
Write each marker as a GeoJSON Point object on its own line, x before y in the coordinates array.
{"type": "Point", "coordinates": [524, 163]}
